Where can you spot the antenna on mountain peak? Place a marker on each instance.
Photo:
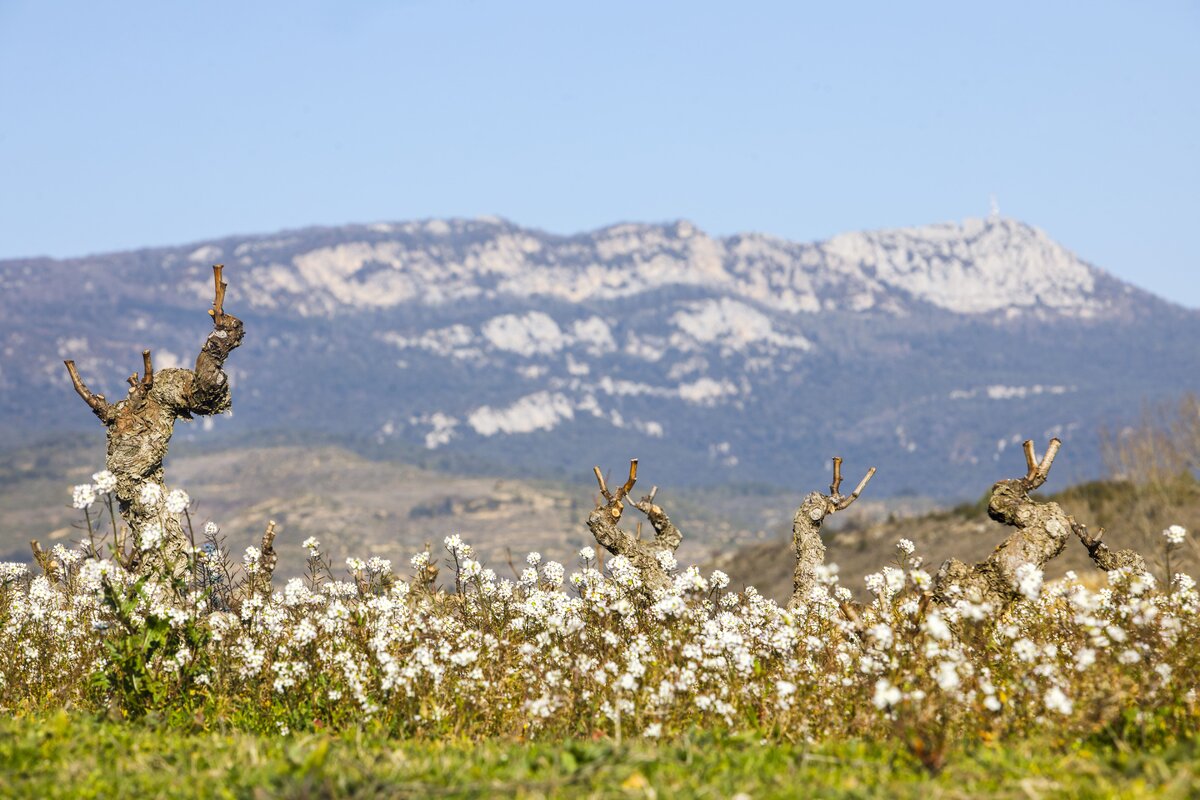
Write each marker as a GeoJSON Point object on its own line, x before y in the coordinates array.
{"type": "Point", "coordinates": [994, 210]}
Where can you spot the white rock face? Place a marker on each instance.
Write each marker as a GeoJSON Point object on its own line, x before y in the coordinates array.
{"type": "Point", "coordinates": [1002, 392]}
{"type": "Point", "coordinates": [595, 334]}
{"type": "Point", "coordinates": [442, 428]}
{"type": "Point", "coordinates": [730, 324]}
{"type": "Point", "coordinates": [541, 411]}
{"type": "Point", "coordinates": [208, 254]}
{"type": "Point", "coordinates": [973, 267]}
{"type": "Point", "coordinates": [333, 274]}
{"type": "Point", "coordinates": [534, 333]}
{"type": "Point", "coordinates": [706, 391]}
{"type": "Point", "coordinates": [455, 341]}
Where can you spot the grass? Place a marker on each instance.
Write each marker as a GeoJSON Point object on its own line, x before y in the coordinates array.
{"type": "Point", "coordinates": [65, 755]}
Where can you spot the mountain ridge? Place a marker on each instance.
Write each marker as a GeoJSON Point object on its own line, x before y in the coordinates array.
{"type": "Point", "coordinates": [738, 358]}
{"type": "Point", "coordinates": [859, 254]}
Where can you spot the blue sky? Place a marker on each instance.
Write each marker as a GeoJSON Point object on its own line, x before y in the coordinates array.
{"type": "Point", "coordinates": [130, 124]}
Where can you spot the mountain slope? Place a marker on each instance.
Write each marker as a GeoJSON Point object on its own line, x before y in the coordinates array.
{"type": "Point", "coordinates": [928, 351]}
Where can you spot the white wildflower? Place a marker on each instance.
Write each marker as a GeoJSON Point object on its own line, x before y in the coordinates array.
{"type": "Point", "coordinates": [947, 676]}
{"type": "Point", "coordinates": [178, 501]}
{"type": "Point", "coordinates": [893, 580]}
{"type": "Point", "coordinates": [1175, 534]}
{"type": "Point", "coordinates": [920, 578]}
{"type": "Point", "coordinates": [152, 536]}
{"type": "Point", "coordinates": [11, 571]}
{"type": "Point", "coordinates": [83, 495]}
{"type": "Point", "coordinates": [1141, 583]}
{"type": "Point", "coordinates": [1025, 649]}
{"type": "Point", "coordinates": [826, 573]}
{"type": "Point", "coordinates": [1029, 581]}
{"type": "Point", "coordinates": [250, 559]}
{"type": "Point", "coordinates": [1056, 700]}
{"type": "Point", "coordinates": [105, 481]}
{"type": "Point", "coordinates": [66, 557]}
{"type": "Point", "coordinates": [553, 573]}
{"type": "Point", "coordinates": [150, 495]}
{"type": "Point", "coordinates": [457, 546]}
{"type": "Point", "coordinates": [935, 625]}
{"type": "Point", "coordinates": [886, 695]}
{"type": "Point", "coordinates": [882, 634]}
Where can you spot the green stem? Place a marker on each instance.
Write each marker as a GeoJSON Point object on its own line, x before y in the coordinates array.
{"type": "Point", "coordinates": [191, 557]}
{"type": "Point", "coordinates": [87, 515]}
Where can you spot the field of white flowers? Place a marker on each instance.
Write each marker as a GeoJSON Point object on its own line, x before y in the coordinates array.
{"type": "Point", "coordinates": [581, 650]}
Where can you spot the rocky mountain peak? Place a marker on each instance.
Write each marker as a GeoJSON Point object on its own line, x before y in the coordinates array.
{"type": "Point", "coordinates": [979, 266]}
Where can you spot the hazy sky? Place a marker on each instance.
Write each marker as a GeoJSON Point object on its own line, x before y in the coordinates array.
{"type": "Point", "coordinates": [127, 124]}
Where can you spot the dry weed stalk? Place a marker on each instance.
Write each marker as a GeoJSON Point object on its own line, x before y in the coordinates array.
{"type": "Point", "coordinates": [44, 560]}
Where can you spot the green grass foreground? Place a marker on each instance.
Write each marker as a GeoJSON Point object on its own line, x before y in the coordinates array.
{"type": "Point", "coordinates": [77, 757]}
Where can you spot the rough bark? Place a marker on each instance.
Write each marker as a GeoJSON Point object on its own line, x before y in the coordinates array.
{"type": "Point", "coordinates": [1042, 530]}
{"type": "Point", "coordinates": [1104, 557]}
{"type": "Point", "coordinates": [139, 428]}
{"type": "Point", "coordinates": [642, 553]}
{"type": "Point", "coordinates": [666, 535]}
{"type": "Point", "coordinates": [806, 532]}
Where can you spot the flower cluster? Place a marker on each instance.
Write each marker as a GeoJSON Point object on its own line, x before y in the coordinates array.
{"type": "Point", "coordinates": [555, 654]}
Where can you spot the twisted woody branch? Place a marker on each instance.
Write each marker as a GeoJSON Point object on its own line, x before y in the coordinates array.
{"type": "Point", "coordinates": [140, 427]}
{"type": "Point", "coordinates": [643, 553]}
{"type": "Point", "coordinates": [1104, 557]}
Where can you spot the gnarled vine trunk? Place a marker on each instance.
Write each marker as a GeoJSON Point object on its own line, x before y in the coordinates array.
{"type": "Point", "coordinates": [1042, 530]}
{"type": "Point", "coordinates": [642, 553]}
{"type": "Point", "coordinates": [806, 532]}
{"type": "Point", "coordinates": [139, 428]}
